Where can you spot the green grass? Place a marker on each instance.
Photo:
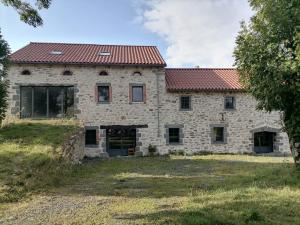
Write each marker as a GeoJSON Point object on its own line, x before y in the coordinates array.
{"type": "Point", "coordinates": [30, 156]}
{"type": "Point", "coordinates": [208, 190]}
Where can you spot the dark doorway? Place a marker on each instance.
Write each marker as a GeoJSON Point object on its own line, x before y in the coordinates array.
{"type": "Point", "coordinates": [119, 140]}
{"type": "Point", "coordinates": [264, 142]}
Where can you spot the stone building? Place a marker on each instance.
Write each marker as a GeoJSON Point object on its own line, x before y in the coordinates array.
{"type": "Point", "coordinates": [128, 101]}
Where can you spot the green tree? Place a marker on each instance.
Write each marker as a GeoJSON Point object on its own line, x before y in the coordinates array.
{"type": "Point", "coordinates": [30, 16]}
{"type": "Point", "coordinates": [267, 56]}
{"type": "Point", "coordinates": [4, 53]}
{"type": "Point", "coordinates": [27, 13]}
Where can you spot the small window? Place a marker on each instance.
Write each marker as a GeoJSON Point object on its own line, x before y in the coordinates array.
{"type": "Point", "coordinates": [103, 94]}
{"type": "Point", "coordinates": [56, 52]}
{"type": "Point", "coordinates": [67, 73]}
{"type": "Point", "coordinates": [103, 73]}
{"type": "Point", "coordinates": [25, 72]}
{"type": "Point", "coordinates": [137, 93]}
{"type": "Point", "coordinates": [185, 102]}
{"type": "Point", "coordinates": [91, 137]}
{"type": "Point", "coordinates": [174, 135]}
{"type": "Point", "coordinates": [104, 53]}
{"type": "Point", "coordinates": [229, 102]}
{"type": "Point", "coordinates": [218, 135]}
{"type": "Point", "coordinates": [137, 73]}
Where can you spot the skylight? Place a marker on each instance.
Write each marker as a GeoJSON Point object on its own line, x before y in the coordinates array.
{"type": "Point", "coordinates": [56, 52]}
{"type": "Point", "coordinates": [103, 53]}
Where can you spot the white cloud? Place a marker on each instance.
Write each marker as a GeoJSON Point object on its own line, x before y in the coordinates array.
{"type": "Point", "coordinates": [197, 32]}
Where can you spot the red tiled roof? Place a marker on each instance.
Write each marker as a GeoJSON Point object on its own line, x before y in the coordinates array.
{"type": "Point", "coordinates": [88, 54]}
{"type": "Point", "coordinates": [202, 80]}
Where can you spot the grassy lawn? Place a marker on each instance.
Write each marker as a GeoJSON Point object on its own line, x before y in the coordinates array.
{"type": "Point", "coordinates": [38, 187]}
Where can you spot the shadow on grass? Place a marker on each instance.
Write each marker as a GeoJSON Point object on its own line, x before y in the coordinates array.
{"type": "Point", "coordinates": [166, 177]}
{"type": "Point", "coordinates": [230, 212]}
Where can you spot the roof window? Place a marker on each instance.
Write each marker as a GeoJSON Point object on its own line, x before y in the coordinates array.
{"type": "Point", "coordinates": [56, 52]}
{"type": "Point", "coordinates": [104, 53]}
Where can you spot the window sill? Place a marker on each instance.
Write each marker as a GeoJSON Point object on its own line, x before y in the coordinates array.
{"type": "Point", "coordinates": [230, 110]}
{"type": "Point", "coordinates": [185, 110]}
{"type": "Point", "coordinates": [137, 103]}
{"type": "Point", "coordinates": [103, 103]}
{"type": "Point", "coordinates": [91, 146]}
{"type": "Point", "coordinates": [174, 144]}
{"type": "Point", "coordinates": [219, 142]}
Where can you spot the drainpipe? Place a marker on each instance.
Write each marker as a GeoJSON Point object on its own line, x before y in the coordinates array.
{"type": "Point", "coordinates": [158, 102]}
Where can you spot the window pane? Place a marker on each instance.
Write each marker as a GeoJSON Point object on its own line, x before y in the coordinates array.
{"type": "Point", "coordinates": [55, 101]}
{"type": "Point", "coordinates": [218, 134]}
{"type": "Point", "coordinates": [229, 102]}
{"type": "Point", "coordinates": [40, 102]}
{"type": "Point", "coordinates": [26, 102]}
{"type": "Point", "coordinates": [90, 137]}
{"type": "Point", "coordinates": [69, 101]}
{"type": "Point", "coordinates": [173, 135]}
{"type": "Point", "coordinates": [137, 93]}
{"type": "Point", "coordinates": [103, 92]}
{"type": "Point", "coordinates": [185, 102]}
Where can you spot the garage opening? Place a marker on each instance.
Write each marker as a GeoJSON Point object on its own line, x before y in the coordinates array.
{"type": "Point", "coordinates": [264, 142]}
{"type": "Point", "coordinates": [121, 141]}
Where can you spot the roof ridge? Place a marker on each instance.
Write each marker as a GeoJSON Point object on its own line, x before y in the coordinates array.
{"type": "Point", "coordinates": [68, 43]}
{"type": "Point", "coordinates": [220, 68]}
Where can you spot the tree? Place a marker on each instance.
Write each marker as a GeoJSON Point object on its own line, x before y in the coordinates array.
{"type": "Point", "coordinates": [267, 56]}
{"type": "Point", "coordinates": [27, 13]}
{"type": "Point", "coordinates": [4, 53]}
{"type": "Point", "coordinates": [30, 16]}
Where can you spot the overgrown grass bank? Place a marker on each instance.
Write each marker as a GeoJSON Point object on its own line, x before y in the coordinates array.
{"type": "Point", "coordinates": [175, 190]}
{"type": "Point", "coordinates": [30, 156]}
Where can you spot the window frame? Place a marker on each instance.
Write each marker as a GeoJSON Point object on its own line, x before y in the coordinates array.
{"type": "Point", "coordinates": [109, 93]}
{"type": "Point", "coordinates": [180, 134]}
{"type": "Point", "coordinates": [97, 138]}
{"type": "Point", "coordinates": [47, 87]}
{"type": "Point", "coordinates": [212, 134]}
{"type": "Point", "coordinates": [131, 87]}
{"type": "Point", "coordinates": [190, 103]}
{"type": "Point", "coordinates": [233, 103]}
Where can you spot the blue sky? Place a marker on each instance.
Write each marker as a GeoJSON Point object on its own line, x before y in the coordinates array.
{"type": "Point", "coordinates": [187, 32]}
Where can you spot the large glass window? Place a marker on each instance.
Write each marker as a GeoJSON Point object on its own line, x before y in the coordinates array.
{"type": "Point", "coordinates": [39, 102]}
{"type": "Point", "coordinates": [137, 94]}
{"type": "Point", "coordinates": [55, 102]}
{"type": "Point", "coordinates": [26, 102]}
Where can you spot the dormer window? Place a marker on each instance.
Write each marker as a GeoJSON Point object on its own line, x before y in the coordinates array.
{"type": "Point", "coordinates": [103, 73]}
{"type": "Point", "coordinates": [137, 73]}
{"type": "Point", "coordinates": [56, 52]}
{"type": "Point", "coordinates": [67, 73]}
{"type": "Point", "coordinates": [104, 53]}
{"type": "Point", "coordinates": [25, 72]}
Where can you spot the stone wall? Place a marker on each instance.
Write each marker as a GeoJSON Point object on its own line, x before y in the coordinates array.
{"type": "Point", "coordinates": [74, 148]}
{"type": "Point", "coordinates": [160, 111]}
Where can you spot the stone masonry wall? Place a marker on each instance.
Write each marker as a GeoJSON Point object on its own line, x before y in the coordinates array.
{"type": "Point", "coordinates": [73, 149]}
{"type": "Point", "coordinates": [160, 111]}
{"type": "Point", "coordinates": [119, 112]}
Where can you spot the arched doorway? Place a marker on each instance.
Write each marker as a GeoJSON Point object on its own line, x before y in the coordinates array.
{"type": "Point", "coordinates": [264, 142]}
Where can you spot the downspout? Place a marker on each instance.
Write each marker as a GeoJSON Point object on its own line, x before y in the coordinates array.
{"type": "Point", "coordinates": [158, 103]}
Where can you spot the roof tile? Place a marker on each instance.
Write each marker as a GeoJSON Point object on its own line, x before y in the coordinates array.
{"type": "Point", "coordinates": [88, 54]}
{"type": "Point", "coordinates": [198, 79]}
